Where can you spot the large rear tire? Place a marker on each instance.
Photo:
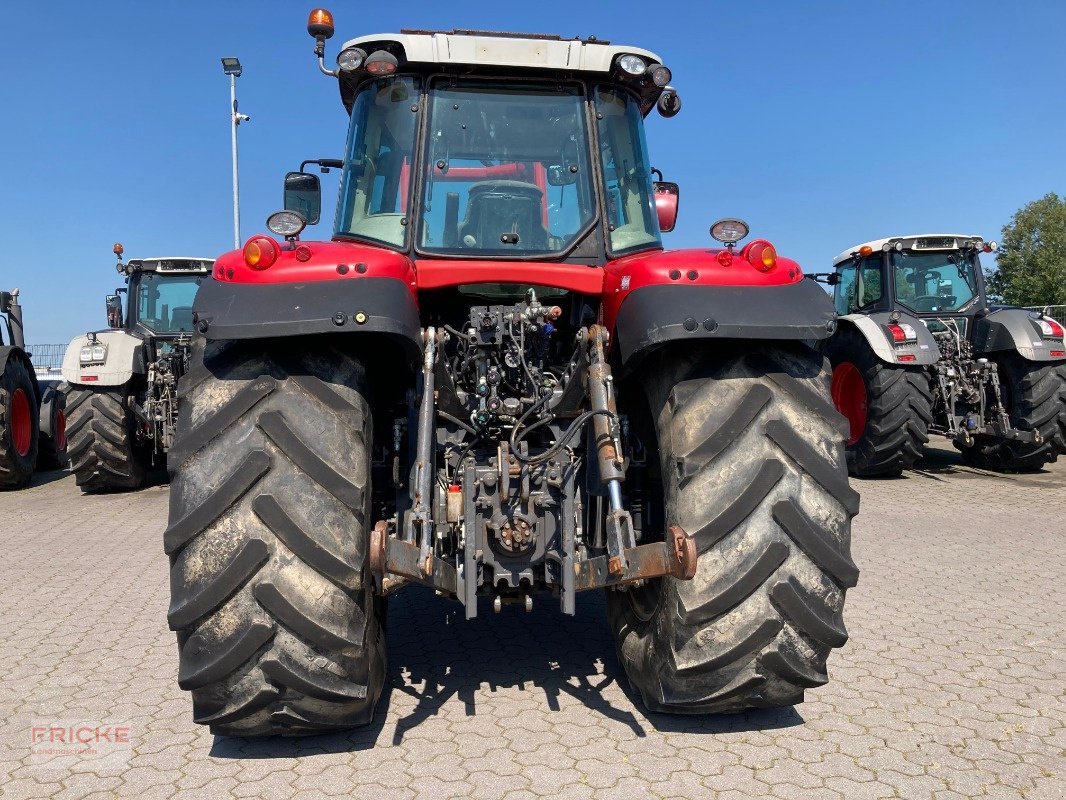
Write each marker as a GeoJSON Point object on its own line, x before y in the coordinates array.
{"type": "Point", "coordinates": [279, 631]}
{"type": "Point", "coordinates": [19, 425]}
{"type": "Point", "coordinates": [101, 439]}
{"type": "Point", "coordinates": [752, 463]}
{"type": "Point", "coordinates": [889, 408]}
{"type": "Point", "coordinates": [1034, 394]}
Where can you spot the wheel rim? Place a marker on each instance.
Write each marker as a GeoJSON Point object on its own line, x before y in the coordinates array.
{"type": "Point", "coordinates": [21, 423]}
{"type": "Point", "coordinates": [645, 599]}
{"type": "Point", "coordinates": [849, 396]}
{"type": "Point", "coordinates": [60, 431]}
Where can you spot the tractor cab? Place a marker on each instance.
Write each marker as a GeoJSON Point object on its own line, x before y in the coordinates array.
{"type": "Point", "coordinates": [506, 147]}
{"type": "Point", "coordinates": [935, 277]}
{"type": "Point", "coordinates": [160, 295]}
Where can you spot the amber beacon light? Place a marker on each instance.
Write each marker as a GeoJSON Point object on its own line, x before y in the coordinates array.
{"type": "Point", "coordinates": [320, 23]}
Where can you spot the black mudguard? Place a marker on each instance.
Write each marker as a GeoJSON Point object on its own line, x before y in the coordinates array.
{"type": "Point", "coordinates": [653, 316]}
{"type": "Point", "coordinates": [1013, 329]}
{"type": "Point", "coordinates": [5, 354]}
{"type": "Point", "coordinates": [381, 306]}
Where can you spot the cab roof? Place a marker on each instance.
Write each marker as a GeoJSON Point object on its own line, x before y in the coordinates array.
{"type": "Point", "coordinates": [172, 264]}
{"type": "Point", "coordinates": [492, 48]}
{"type": "Point", "coordinates": [909, 242]}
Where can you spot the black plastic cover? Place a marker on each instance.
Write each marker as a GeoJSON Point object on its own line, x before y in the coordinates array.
{"type": "Point", "coordinates": [354, 305]}
{"type": "Point", "coordinates": [654, 315]}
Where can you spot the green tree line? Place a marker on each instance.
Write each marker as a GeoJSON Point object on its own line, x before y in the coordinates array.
{"type": "Point", "coordinates": [1031, 260]}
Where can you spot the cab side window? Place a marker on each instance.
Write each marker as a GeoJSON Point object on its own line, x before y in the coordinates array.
{"type": "Point", "coordinates": [859, 284]}
{"type": "Point", "coordinates": [869, 280]}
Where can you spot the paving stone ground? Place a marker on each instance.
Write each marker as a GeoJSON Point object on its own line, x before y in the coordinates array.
{"type": "Point", "coordinates": [952, 685]}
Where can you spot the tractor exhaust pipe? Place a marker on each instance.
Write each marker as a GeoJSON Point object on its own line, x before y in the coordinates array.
{"type": "Point", "coordinates": [14, 320]}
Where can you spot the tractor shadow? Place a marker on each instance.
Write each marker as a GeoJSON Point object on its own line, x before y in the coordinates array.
{"type": "Point", "coordinates": [44, 477]}
{"type": "Point", "coordinates": [437, 658]}
{"type": "Point", "coordinates": [940, 461]}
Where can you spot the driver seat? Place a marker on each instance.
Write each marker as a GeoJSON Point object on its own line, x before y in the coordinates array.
{"type": "Point", "coordinates": [181, 318]}
{"type": "Point", "coordinates": [498, 207]}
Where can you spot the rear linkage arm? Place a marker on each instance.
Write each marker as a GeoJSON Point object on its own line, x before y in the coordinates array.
{"type": "Point", "coordinates": [410, 556]}
{"type": "Point", "coordinates": [983, 379]}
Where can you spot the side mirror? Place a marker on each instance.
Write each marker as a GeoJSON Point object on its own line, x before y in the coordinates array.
{"type": "Point", "coordinates": [668, 104]}
{"type": "Point", "coordinates": [114, 311]}
{"type": "Point", "coordinates": [303, 193]}
{"type": "Point", "coordinates": [5, 302]}
{"type": "Point", "coordinates": [667, 197]}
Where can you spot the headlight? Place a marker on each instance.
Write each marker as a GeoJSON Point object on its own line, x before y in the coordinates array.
{"type": "Point", "coordinates": [634, 65]}
{"type": "Point", "coordinates": [381, 63]}
{"type": "Point", "coordinates": [351, 59]}
{"type": "Point", "coordinates": [659, 75]}
{"type": "Point", "coordinates": [286, 223]}
{"type": "Point", "coordinates": [729, 231]}
{"type": "Point", "coordinates": [92, 353]}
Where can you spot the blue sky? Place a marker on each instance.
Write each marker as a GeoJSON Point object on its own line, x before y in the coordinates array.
{"type": "Point", "coordinates": [823, 124]}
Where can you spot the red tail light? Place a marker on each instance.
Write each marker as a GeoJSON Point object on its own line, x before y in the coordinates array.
{"type": "Point", "coordinates": [261, 252]}
{"type": "Point", "coordinates": [905, 358]}
{"type": "Point", "coordinates": [1050, 328]}
{"type": "Point", "coordinates": [381, 63]}
{"type": "Point", "coordinates": [902, 332]}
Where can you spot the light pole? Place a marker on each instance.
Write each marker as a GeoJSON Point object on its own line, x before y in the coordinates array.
{"type": "Point", "coordinates": [232, 67]}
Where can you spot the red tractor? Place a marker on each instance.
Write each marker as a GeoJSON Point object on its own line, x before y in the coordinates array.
{"type": "Point", "coordinates": [32, 406]}
{"type": "Point", "coordinates": [495, 382]}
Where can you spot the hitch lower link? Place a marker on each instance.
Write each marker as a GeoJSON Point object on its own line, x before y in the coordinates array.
{"type": "Point", "coordinates": [394, 562]}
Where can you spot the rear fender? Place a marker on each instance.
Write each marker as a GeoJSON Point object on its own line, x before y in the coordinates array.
{"type": "Point", "coordinates": [654, 316]}
{"type": "Point", "coordinates": [874, 329]}
{"type": "Point", "coordinates": [123, 359]}
{"type": "Point", "coordinates": [382, 306]}
{"type": "Point", "coordinates": [6, 352]}
{"type": "Point", "coordinates": [1014, 329]}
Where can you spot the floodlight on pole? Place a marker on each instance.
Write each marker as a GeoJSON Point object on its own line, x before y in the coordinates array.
{"type": "Point", "coordinates": [232, 66]}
